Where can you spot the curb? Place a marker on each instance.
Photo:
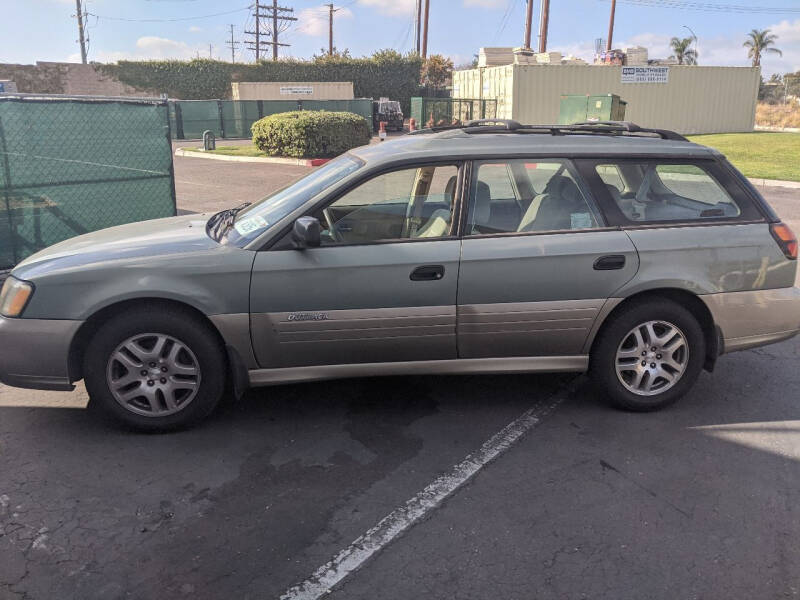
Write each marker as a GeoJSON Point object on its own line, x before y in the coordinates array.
{"type": "Point", "coordinates": [300, 162]}
{"type": "Point", "coordinates": [774, 183]}
{"type": "Point", "coordinates": [777, 129]}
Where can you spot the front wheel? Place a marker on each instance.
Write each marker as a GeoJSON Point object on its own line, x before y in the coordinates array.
{"type": "Point", "coordinates": [649, 355]}
{"type": "Point", "coordinates": [155, 369]}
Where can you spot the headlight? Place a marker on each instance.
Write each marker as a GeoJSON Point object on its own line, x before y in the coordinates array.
{"type": "Point", "coordinates": [14, 297]}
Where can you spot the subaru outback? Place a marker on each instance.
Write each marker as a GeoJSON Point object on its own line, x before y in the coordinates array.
{"type": "Point", "coordinates": [493, 247]}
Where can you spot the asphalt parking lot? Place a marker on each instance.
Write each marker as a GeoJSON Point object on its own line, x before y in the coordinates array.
{"type": "Point", "coordinates": [697, 501]}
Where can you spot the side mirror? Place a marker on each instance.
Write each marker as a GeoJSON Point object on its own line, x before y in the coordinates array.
{"type": "Point", "coordinates": [306, 233]}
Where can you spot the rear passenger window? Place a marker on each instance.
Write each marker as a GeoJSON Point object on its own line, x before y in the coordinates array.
{"type": "Point", "coordinates": [649, 192]}
{"type": "Point", "coordinates": [522, 196]}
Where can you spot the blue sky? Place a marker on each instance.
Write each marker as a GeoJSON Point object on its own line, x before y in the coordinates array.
{"type": "Point", "coordinates": [34, 30]}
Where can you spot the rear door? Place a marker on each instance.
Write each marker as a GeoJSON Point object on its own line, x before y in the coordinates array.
{"type": "Point", "coordinates": [382, 286]}
{"type": "Point", "coordinates": [538, 262]}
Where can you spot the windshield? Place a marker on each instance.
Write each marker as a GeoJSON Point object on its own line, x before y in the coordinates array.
{"type": "Point", "coordinates": [258, 218]}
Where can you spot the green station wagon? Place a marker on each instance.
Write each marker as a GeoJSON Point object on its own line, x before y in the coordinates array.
{"type": "Point", "coordinates": [493, 247]}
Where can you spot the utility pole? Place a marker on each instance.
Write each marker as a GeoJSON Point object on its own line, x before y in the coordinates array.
{"type": "Point", "coordinates": [544, 19]}
{"type": "Point", "coordinates": [274, 29]}
{"type": "Point", "coordinates": [528, 25]}
{"type": "Point", "coordinates": [418, 26]}
{"type": "Point", "coordinates": [330, 29]}
{"type": "Point", "coordinates": [278, 15]}
{"type": "Point", "coordinates": [81, 37]}
{"type": "Point", "coordinates": [209, 50]}
{"type": "Point", "coordinates": [425, 29]}
{"type": "Point", "coordinates": [258, 33]}
{"type": "Point", "coordinates": [233, 43]}
{"type": "Point", "coordinates": [611, 25]}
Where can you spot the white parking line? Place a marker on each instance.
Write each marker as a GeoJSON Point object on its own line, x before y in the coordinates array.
{"type": "Point", "coordinates": [405, 516]}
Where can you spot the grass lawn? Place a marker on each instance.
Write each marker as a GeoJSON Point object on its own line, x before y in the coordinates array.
{"type": "Point", "coordinates": [761, 155]}
{"type": "Point", "coordinates": [249, 150]}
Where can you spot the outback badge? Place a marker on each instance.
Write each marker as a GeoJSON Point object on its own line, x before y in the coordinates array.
{"type": "Point", "coordinates": [308, 317]}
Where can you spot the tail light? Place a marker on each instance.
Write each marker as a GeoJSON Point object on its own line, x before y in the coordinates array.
{"type": "Point", "coordinates": [785, 238]}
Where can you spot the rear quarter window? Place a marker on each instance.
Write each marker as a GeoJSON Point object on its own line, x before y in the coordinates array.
{"type": "Point", "coordinates": [671, 192]}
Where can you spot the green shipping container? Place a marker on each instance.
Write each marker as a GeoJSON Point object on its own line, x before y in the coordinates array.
{"type": "Point", "coordinates": [576, 108]}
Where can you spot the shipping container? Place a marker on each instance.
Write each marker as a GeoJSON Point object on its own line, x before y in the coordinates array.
{"type": "Point", "coordinates": [687, 99]}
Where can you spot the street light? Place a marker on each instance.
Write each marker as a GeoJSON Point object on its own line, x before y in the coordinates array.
{"type": "Point", "coordinates": [696, 43]}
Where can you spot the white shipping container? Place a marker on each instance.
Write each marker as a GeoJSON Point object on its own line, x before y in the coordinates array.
{"type": "Point", "coordinates": [694, 99]}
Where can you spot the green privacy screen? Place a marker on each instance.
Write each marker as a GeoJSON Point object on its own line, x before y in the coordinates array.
{"type": "Point", "coordinates": [234, 118]}
{"type": "Point", "coordinates": [73, 165]}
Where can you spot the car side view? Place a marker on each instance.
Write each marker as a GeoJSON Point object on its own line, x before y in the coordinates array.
{"type": "Point", "coordinates": [493, 247]}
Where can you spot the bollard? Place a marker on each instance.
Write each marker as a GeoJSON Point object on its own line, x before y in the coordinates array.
{"type": "Point", "coordinates": [382, 131]}
{"type": "Point", "coordinates": [209, 140]}
{"type": "Point", "coordinates": [412, 124]}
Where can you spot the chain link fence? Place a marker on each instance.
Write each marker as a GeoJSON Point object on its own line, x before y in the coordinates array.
{"type": "Point", "coordinates": [444, 111]}
{"type": "Point", "coordinates": [71, 165]}
{"type": "Point", "coordinates": [233, 118]}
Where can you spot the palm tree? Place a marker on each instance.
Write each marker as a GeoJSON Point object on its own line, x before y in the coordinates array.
{"type": "Point", "coordinates": [759, 42]}
{"type": "Point", "coordinates": [683, 51]}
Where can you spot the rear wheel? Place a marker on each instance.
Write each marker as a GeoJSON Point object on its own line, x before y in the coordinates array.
{"type": "Point", "coordinates": [155, 369]}
{"type": "Point", "coordinates": [649, 355]}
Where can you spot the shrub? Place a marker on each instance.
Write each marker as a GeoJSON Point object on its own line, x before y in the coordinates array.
{"type": "Point", "coordinates": [787, 115]}
{"type": "Point", "coordinates": [385, 73]}
{"type": "Point", "coordinates": [310, 133]}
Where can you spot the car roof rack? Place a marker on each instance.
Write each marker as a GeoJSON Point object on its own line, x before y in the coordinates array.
{"type": "Point", "coordinates": [587, 127]}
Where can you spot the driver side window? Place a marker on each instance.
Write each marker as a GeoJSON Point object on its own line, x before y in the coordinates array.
{"type": "Point", "coordinates": [404, 204]}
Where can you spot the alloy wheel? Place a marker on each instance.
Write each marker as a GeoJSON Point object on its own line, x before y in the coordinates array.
{"type": "Point", "coordinates": [153, 374]}
{"type": "Point", "coordinates": [652, 358]}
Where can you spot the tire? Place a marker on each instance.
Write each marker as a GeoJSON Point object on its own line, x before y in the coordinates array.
{"type": "Point", "coordinates": [680, 354]}
{"type": "Point", "coordinates": [155, 368]}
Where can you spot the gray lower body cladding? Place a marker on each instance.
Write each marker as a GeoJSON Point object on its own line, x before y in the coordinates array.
{"type": "Point", "coordinates": [34, 353]}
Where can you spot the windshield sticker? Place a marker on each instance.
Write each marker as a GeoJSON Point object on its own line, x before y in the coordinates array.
{"type": "Point", "coordinates": [581, 221]}
{"type": "Point", "coordinates": [250, 225]}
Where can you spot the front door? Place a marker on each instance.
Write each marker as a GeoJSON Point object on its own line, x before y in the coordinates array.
{"type": "Point", "coordinates": [381, 287]}
{"type": "Point", "coordinates": [537, 261]}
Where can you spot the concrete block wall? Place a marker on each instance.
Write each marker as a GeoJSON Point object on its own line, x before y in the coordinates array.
{"type": "Point", "coordinates": [67, 78]}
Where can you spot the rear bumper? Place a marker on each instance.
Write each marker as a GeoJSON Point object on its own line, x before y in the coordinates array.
{"type": "Point", "coordinates": [34, 353]}
{"type": "Point", "coordinates": [755, 318]}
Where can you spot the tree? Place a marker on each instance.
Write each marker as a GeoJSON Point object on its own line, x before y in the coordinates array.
{"type": "Point", "coordinates": [469, 65]}
{"type": "Point", "coordinates": [337, 55]}
{"type": "Point", "coordinates": [437, 71]}
{"type": "Point", "coordinates": [387, 55]}
{"type": "Point", "coordinates": [683, 51]}
{"type": "Point", "coordinates": [771, 91]}
{"type": "Point", "coordinates": [758, 43]}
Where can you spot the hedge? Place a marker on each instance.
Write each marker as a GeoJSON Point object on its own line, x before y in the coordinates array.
{"type": "Point", "coordinates": [386, 73]}
{"type": "Point", "coordinates": [311, 133]}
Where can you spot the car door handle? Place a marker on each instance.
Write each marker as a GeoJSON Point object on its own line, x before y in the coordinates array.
{"type": "Point", "coordinates": [613, 262]}
{"type": "Point", "coordinates": [428, 273]}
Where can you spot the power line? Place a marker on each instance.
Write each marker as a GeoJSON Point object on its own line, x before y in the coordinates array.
{"type": "Point", "coordinates": [506, 15]}
{"type": "Point", "coordinates": [167, 20]}
{"type": "Point", "coordinates": [710, 6]}
{"type": "Point", "coordinates": [280, 18]}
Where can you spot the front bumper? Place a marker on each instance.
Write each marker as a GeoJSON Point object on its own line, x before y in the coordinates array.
{"type": "Point", "coordinates": [755, 318]}
{"type": "Point", "coordinates": [34, 353]}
